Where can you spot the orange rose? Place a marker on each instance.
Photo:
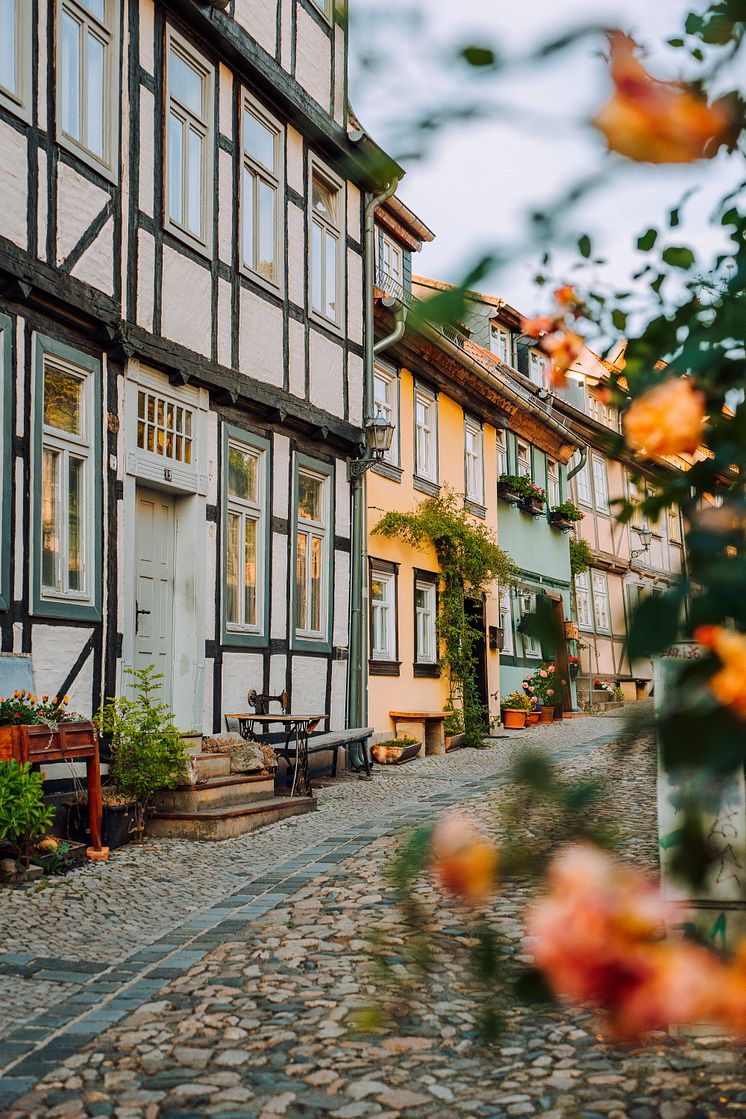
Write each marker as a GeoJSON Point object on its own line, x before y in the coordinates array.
{"type": "Point", "coordinates": [728, 684]}
{"type": "Point", "coordinates": [465, 861]}
{"type": "Point", "coordinates": [651, 121]}
{"type": "Point", "coordinates": [667, 419]}
{"type": "Point", "coordinates": [564, 348]}
{"type": "Point", "coordinates": [543, 324]}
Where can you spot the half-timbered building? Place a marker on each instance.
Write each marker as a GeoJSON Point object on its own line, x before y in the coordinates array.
{"type": "Point", "coordinates": [182, 201]}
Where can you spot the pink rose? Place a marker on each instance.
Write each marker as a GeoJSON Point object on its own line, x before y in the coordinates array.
{"type": "Point", "coordinates": [551, 668]}
{"type": "Point", "coordinates": [550, 691]}
{"type": "Point", "coordinates": [525, 685]}
{"type": "Point", "coordinates": [543, 674]}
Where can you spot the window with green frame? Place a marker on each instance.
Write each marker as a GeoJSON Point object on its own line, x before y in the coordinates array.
{"type": "Point", "coordinates": [67, 481]}
{"type": "Point", "coordinates": [245, 513]}
{"type": "Point", "coordinates": [6, 437]}
{"type": "Point", "coordinates": [313, 551]}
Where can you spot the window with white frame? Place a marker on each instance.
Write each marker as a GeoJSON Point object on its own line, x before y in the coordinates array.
{"type": "Point", "coordinates": [425, 608]}
{"type": "Point", "coordinates": [382, 615]}
{"type": "Point", "coordinates": [386, 404]}
{"type": "Point", "coordinates": [600, 484]}
{"type": "Point", "coordinates": [531, 644]}
{"type": "Point", "coordinates": [164, 427]}
{"type": "Point", "coordinates": [500, 343]}
{"type": "Point", "coordinates": [261, 194]}
{"type": "Point", "coordinates": [583, 485]}
{"type": "Point", "coordinates": [553, 482]}
{"type": "Point", "coordinates": [583, 600]}
{"type": "Point", "coordinates": [326, 7]}
{"type": "Point", "coordinates": [245, 517]}
{"type": "Point", "coordinates": [502, 452]}
{"type": "Point", "coordinates": [600, 590]}
{"type": "Point", "coordinates": [391, 266]}
{"type": "Point", "coordinates": [425, 435]}
{"type": "Point", "coordinates": [636, 496]}
{"type": "Point", "coordinates": [87, 84]}
{"type": "Point", "coordinates": [474, 460]}
{"type": "Point", "coordinates": [538, 366]}
{"type": "Point", "coordinates": [189, 82]}
{"type": "Point", "coordinates": [326, 245]}
{"type": "Point", "coordinates": [506, 620]}
{"type": "Point", "coordinates": [674, 524]}
{"type": "Point", "coordinates": [15, 55]}
{"type": "Point", "coordinates": [66, 456]}
{"type": "Point", "coordinates": [523, 459]}
{"type": "Point", "coordinates": [311, 560]}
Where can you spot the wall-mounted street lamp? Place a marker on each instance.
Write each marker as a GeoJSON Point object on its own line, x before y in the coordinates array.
{"type": "Point", "coordinates": [379, 435]}
{"type": "Point", "coordinates": [646, 536]}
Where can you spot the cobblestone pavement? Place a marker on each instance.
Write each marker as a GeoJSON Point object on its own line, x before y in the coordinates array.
{"type": "Point", "coordinates": [240, 1009]}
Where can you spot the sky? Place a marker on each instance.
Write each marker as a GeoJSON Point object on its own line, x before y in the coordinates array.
{"type": "Point", "coordinates": [479, 178]}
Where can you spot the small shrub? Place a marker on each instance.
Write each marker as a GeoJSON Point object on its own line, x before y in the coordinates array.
{"type": "Point", "coordinates": [23, 815]}
{"type": "Point", "coordinates": [454, 722]}
{"type": "Point", "coordinates": [568, 511]}
{"type": "Point", "coordinates": [581, 556]}
{"type": "Point", "coordinates": [516, 701]}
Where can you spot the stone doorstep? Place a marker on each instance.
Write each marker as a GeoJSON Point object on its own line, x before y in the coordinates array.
{"type": "Point", "coordinates": [212, 765]}
{"type": "Point", "coordinates": [227, 823]}
{"type": "Point", "coordinates": [217, 792]}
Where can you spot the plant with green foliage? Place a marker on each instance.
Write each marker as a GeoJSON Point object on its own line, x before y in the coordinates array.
{"type": "Point", "coordinates": [522, 486]}
{"type": "Point", "coordinates": [470, 560]}
{"type": "Point", "coordinates": [581, 556]}
{"type": "Point", "coordinates": [516, 701]}
{"type": "Point", "coordinates": [568, 511]}
{"type": "Point", "coordinates": [148, 753]}
{"type": "Point", "coordinates": [454, 722]}
{"type": "Point", "coordinates": [23, 814]}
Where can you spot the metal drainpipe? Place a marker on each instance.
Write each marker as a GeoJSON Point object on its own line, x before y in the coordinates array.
{"type": "Point", "coordinates": [583, 448]}
{"type": "Point", "coordinates": [357, 691]}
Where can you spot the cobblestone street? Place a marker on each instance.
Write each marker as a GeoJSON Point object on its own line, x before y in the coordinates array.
{"type": "Point", "coordinates": [184, 980]}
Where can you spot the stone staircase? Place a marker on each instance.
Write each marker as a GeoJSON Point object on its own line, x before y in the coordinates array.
{"type": "Point", "coordinates": [222, 805]}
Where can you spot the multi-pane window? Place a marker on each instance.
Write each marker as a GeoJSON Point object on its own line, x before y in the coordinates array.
{"type": "Point", "coordinates": [326, 246]}
{"type": "Point", "coordinates": [164, 427]}
{"type": "Point", "coordinates": [523, 459]}
{"type": "Point", "coordinates": [553, 482]}
{"type": "Point", "coordinates": [425, 606]}
{"type": "Point", "coordinates": [636, 497]}
{"type": "Point", "coordinates": [386, 404]}
{"type": "Point", "coordinates": [85, 76]}
{"type": "Point", "coordinates": [583, 600]}
{"type": "Point", "coordinates": [583, 485]}
{"type": "Point", "coordinates": [674, 524]}
{"type": "Point", "coordinates": [600, 484]}
{"type": "Point", "coordinates": [261, 187]}
{"type": "Point", "coordinates": [391, 266]}
{"type": "Point", "coordinates": [473, 460]}
{"type": "Point", "coordinates": [538, 364]}
{"type": "Point", "coordinates": [311, 560]}
{"type": "Point", "coordinates": [244, 538]}
{"type": "Point", "coordinates": [531, 643]}
{"type": "Point", "coordinates": [66, 454]}
{"type": "Point", "coordinates": [325, 7]}
{"type": "Point", "coordinates": [502, 453]}
{"type": "Point", "coordinates": [506, 620]}
{"type": "Point", "coordinates": [382, 616]}
{"type": "Point", "coordinates": [600, 600]}
{"type": "Point", "coordinates": [425, 435]}
{"type": "Point", "coordinates": [500, 342]}
{"type": "Point", "coordinates": [188, 141]}
{"type": "Point", "coordinates": [15, 54]}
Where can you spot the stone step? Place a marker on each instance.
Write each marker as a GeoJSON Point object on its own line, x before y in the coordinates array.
{"type": "Point", "coordinates": [212, 765]}
{"type": "Point", "coordinates": [217, 792]}
{"type": "Point", "coordinates": [227, 823]}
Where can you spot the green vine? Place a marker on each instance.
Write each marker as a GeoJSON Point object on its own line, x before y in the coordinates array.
{"type": "Point", "coordinates": [469, 559]}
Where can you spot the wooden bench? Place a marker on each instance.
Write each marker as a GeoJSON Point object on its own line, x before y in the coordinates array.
{"type": "Point", "coordinates": [426, 726]}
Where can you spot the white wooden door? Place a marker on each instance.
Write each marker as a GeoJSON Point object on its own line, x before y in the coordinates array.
{"type": "Point", "coordinates": [154, 585]}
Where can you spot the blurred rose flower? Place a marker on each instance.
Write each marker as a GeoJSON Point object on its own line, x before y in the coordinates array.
{"type": "Point", "coordinates": [652, 121]}
{"type": "Point", "coordinates": [667, 419]}
{"type": "Point", "coordinates": [728, 684]}
{"type": "Point", "coordinates": [543, 324]}
{"type": "Point", "coordinates": [563, 347]}
{"type": "Point", "coordinates": [465, 861]}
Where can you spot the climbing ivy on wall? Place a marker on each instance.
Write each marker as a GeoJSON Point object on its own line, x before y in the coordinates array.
{"type": "Point", "coordinates": [469, 559]}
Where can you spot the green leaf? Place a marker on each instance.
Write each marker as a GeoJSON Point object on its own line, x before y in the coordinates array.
{"type": "Point", "coordinates": [679, 256]}
{"type": "Point", "coordinates": [585, 246]}
{"type": "Point", "coordinates": [654, 625]}
{"type": "Point", "coordinates": [619, 319]}
{"type": "Point", "coordinates": [479, 57]}
{"type": "Point", "coordinates": [675, 42]}
{"type": "Point", "coordinates": [646, 241]}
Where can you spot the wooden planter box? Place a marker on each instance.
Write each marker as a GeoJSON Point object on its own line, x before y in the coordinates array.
{"type": "Point", "coordinates": [556, 520]}
{"type": "Point", "coordinates": [506, 494]}
{"type": "Point", "coordinates": [533, 506]}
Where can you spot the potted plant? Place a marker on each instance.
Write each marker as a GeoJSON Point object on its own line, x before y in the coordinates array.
{"type": "Point", "coordinates": [24, 817]}
{"type": "Point", "coordinates": [546, 685]}
{"type": "Point", "coordinates": [534, 499]}
{"type": "Point", "coordinates": [510, 488]}
{"type": "Point", "coordinates": [532, 717]}
{"type": "Point", "coordinates": [453, 727]}
{"type": "Point", "coordinates": [119, 821]}
{"type": "Point", "coordinates": [23, 710]}
{"type": "Point", "coordinates": [147, 749]}
{"type": "Point", "coordinates": [395, 751]}
{"type": "Point", "coordinates": [514, 709]}
{"type": "Point", "coordinates": [564, 516]}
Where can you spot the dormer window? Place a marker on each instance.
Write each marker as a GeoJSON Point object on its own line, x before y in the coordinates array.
{"type": "Point", "coordinates": [538, 367]}
{"type": "Point", "coordinates": [501, 343]}
{"type": "Point", "coordinates": [391, 266]}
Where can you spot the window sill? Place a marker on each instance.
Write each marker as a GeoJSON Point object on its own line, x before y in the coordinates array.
{"type": "Point", "coordinates": [384, 668]}
{"type": "Point", "coordinates": [429, 671]}
{"type": "Point", "coordinates": [90, 160]}
{"type": "Point", "coordinates": [475, 507]}
{"type": "Point", "coordinates": [187, 239]}
{"type": "Point", "coordinates": [261, 282]}
{"type": "Point", "coordinates": [326, 324]}
{"type": "Point", "coordinates": [388, 470]}
{"type": "Point", "coordinates": [235, 638]}
{"type": "Point", "coordinates": [66, 608]}
{"type": "Point", "coordinates": [424, 485]}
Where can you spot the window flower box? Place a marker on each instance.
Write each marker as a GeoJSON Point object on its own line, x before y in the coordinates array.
{"type": "Point", "coordinates": [507, 493]}
{"type": "Point", "coordinates": [564, 516]}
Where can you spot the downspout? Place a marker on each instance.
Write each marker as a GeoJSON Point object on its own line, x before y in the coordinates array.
{"type": "Point", "coordinates": [583, 448]}
{"type": "Point", "coordinates": [357, 690]}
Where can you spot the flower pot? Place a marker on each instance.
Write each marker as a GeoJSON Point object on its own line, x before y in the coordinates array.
{"type": "Point", "coordinates": [513, 718]}
{"type": "Point", "coordinates": [118, 822]}
{"type": "Point", "coordinates": [533, 718]}
{"type": "Point", "coordinates": [546, 715]}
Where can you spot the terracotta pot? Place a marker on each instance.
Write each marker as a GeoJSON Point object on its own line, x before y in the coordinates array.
{"type": "Point", "coordinates": [513, 718]}
{"type": "Point", "coordinates": [546, 715]}
{"type": "Point", "coordinates": [533, 718]}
